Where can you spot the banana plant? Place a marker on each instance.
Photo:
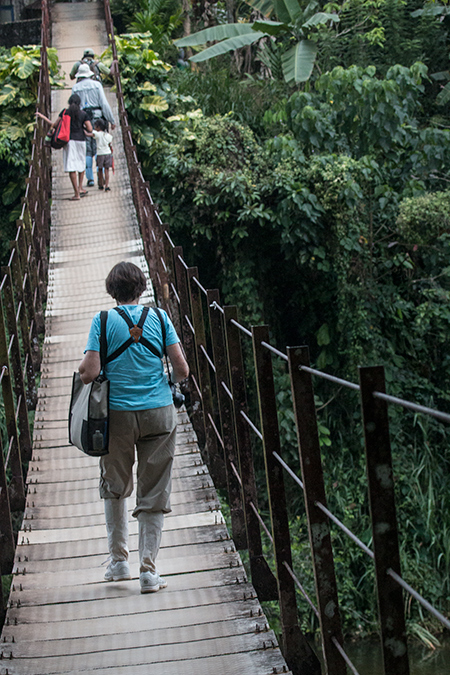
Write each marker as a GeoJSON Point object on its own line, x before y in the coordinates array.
{"type": "Point", "coordinates": [296, 26]}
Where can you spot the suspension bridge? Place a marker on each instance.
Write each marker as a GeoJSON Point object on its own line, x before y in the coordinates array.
{"type": "Point", "coordinates": [60, 615]}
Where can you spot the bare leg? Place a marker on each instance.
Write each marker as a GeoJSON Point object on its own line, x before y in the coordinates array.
{"type": "Point", "coordinates": [100, 177]}
{"type": "Point", "coordinates": [106, 178]}
{"type": "Point", "coordinates": [74, 180]}
{"type": "Point", "coordinates": [80, 181]}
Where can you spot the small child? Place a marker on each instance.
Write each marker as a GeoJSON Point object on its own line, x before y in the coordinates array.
{"type": "Point", "coordinates": [104, 154]}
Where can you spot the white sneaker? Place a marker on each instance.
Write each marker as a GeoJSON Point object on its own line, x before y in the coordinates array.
{"type": "Point", "coordinates": [118, 571]}
{"type": "Point", "coordinates": [150, 583]}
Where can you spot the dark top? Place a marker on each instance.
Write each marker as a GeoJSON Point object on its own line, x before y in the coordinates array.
{"type": "Point", "coordinates": [76, 126]}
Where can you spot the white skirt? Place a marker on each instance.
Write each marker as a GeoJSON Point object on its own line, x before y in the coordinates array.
{"type": "Point", "coordinates": [74, 156]}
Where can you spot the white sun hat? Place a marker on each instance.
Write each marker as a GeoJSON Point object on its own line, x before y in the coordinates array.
{"type": "Point", "coordinates": [84, 71]}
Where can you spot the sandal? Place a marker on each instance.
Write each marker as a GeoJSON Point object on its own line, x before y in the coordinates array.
{"type": "Point", "coordinates": [84, 193]}
{"type": "Point", "coordinates": [74, 199]}
{"type": "Point", "coordinates": [107, 189]}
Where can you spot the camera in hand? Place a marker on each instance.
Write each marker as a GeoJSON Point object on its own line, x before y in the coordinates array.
{"type": "Point", "coordinates": [177, 397]}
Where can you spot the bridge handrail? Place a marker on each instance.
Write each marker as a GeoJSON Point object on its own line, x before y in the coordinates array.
{"type": "Point", "coordinates": [23, 290]}
{"type": "Point", "coordinates": [220, 418]}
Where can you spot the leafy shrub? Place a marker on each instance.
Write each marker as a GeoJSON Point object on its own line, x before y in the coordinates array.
{"type": "Point", "coordinates": [422, 219]}
{"type": "Point", "coordinates": [19, 76]}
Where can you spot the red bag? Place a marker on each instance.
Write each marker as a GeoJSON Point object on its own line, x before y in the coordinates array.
{"type": "Point", "coordinates": [61, 133]}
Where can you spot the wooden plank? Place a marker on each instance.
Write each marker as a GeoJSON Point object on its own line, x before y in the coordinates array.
{"type": "Point", "coordinates": [80, 547]}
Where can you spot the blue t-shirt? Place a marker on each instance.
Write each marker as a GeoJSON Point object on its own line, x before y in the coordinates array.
{"type": "Point", "coordinates": [137, 378]}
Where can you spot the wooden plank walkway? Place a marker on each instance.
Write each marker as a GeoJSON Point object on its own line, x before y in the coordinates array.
{"type": "Point", "coordinates": [62, 616]}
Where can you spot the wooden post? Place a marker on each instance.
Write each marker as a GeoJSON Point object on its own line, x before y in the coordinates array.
{"type": "Point", "coordinates": [384, 521]}
{"type": "Point", "coordinates": [226, 421]}
{"type": "Point", "coordinates": [263, 579]}
{"type": "Point", "coordinates": [196, 407]}
{"type": "Point", "coordinates": [297, 651]}
{"type": "Point", "coordinates": [215, 456]}
{"type": "Point", "coordinates": [318, 524]}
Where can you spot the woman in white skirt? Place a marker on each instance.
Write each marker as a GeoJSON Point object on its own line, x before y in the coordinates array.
{"type": "Point", "coordinates": [74, 153]}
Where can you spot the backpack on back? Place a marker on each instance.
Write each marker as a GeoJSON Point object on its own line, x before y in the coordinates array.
{"type": "Point", "coordinates": [93, 66]}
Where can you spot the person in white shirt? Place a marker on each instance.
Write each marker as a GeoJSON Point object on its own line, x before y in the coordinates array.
{"type": "Point", "coordinates": [104, 154]}
{"type": "Point", "coordinates": [94, 103]}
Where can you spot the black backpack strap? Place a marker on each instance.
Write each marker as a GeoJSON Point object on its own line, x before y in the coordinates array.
{"type": "Point", "coordinates": [103, 342]}
{"type": "Point", "coordinates": [163, 329]}
{"type": "Point", "coordinates": [132, 339]}
{"type": "Point", "coordinates": [148, 344]}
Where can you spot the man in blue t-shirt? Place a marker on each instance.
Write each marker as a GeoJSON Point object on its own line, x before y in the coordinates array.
{"type": "Point", "coordinates": [142, 415]}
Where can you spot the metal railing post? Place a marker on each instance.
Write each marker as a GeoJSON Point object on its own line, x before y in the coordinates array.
{"type": "Point", "coordinates": [226, 422]}
{"type": "Point", "coordinates": [16, 486]}
{"type": "Point", "coordinates": [296, 650]}
{"type": "Point", "coordinates": [16, 365]}
{"type": "Point", "coordinates": [214, 455]}
{"type": "Point", "coordinates": [7, 545]}
{"type": "Point", "coordinates": [197, 417]}
{"type": "Point", "coordinates": [318, 524]}
{"type": "Point", "coordinates": [384, 521]}
{"type": "Point", "coordinates": [21, 319]}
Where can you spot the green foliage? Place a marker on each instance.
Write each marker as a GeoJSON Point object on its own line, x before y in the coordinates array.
{"type": "Point", "coordinates": [423, 219]}
{"type": "Point", "coordinates": [298, 26]}
{"type": "Point", "coordinates": [19, 76]}
{"type": "Point", "coordinates": [149, 98]}
{"type": "Point", "coordinates": [325, 219]}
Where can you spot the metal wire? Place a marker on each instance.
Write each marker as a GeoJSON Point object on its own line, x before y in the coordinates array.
{"type": "Point", "coordinates": [216, 431]}
{"type": "Point", "coordinates": [189, 324]}
{"type": "Point", "coordinates": [182, 262]}
{"type": "Point", "coordinates": [275, 351]}
{"type": "Point", "coordinates": [419, 598]}
{"type": "Point", "coordinates": [344, 656]}
{"type": "Point", "coordinates": [174, 290]}
{"type": "Point", "coordinates": [444, 417]}
{"type": "Point", "coordinates": [324, 509]}
{"type": "Point", "coordinates": [250, 423]}
{"type": "Point", "coordinates": [208, 358]}
{"type": "Point", "coordinates": [263, 525]}
{"type": "Point", "coordinates": [199, 285]}
{"type": "Point", "coordinates": [227, 391]}
{"type": "Point", "coordinates": [302, 590]}
{"type": "Point", "coordinates": [331, 378]}
{"type": "Point", "coordinates": [236, 473]}
{"type": "Point", "coordinates": [288, 469]}
{"type": "Point", "coordinates": [238, 325]}
{"type": "Point", "coordinates": [345, 529]}
{"type": "Point", "coordinates": [167, 235]}
{"type": "Point", "coordinates": [215, 305]}
{"type": "Point", "coordinates": [196, 386]}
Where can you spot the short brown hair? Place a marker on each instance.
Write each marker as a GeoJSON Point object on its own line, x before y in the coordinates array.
{"type": "Point", "coordinates": [125, 282]}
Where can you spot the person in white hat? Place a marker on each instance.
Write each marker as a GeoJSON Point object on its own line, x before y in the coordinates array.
{"type": "Point", "coordinates": [94, 103]}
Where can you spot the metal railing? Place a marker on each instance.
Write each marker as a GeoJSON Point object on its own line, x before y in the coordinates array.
{"type": "Point", "coordinates": [23, 288]}
{"type": "Point", "coordinates": [220, 417]}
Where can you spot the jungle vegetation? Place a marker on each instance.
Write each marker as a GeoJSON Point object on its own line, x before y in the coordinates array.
{"type": "Point", "coordinates": [305, 169]}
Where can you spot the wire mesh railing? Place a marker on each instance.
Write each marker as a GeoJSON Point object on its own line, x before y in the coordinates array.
{"type": "Point", "coordinates": [23, 288]}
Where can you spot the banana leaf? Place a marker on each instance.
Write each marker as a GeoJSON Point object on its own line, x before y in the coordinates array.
{"type": "Point", "coordinates": [222, 32]}
{"type": "Point", "coordinates": [293, 8]}
{"type": "Point", "coordinates": [319, 18]}
{"type": "Point", "coordinates": [228, 46]}
{"type": "Point", "coordinates": [271, 27]}
{"type": "Point", "coordinates": [298, 61]}
{"type": "Point", "coordinates": [281, 11]}
{"type": "Point", "coordinates": [266, 7]}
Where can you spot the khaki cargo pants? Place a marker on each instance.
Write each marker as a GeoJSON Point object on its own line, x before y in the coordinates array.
{"type": "Point", "coordinates": [153, 433]}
